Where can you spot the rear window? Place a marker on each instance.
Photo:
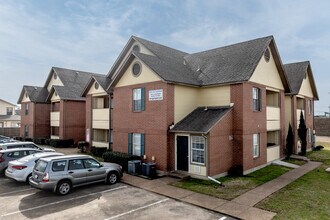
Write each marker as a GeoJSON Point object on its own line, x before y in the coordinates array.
{"type": "Point", "coordinates": [14, 146]}
{"type": "Point", "coordinates": [59, 165]}
{"type": "Point", "coordinates": [41, 166]}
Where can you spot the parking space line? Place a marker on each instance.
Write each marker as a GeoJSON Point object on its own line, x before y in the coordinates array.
{"type": "Point", "coordinates": [8, 193]}
{"type": "Point", "coordinates": [134, 210]}
{"type": "Point", "coordinates": [223, 218]}
{"type": "Point", "coordinates": [54, 203]}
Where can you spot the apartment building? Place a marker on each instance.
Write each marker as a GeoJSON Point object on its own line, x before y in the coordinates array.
{"type": "Point", "coordinates": [200, 113]}
{"type": "Point", "coordinates": [300, 100]}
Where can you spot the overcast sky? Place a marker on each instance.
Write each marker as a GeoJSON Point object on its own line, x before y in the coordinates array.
{"type": "Point", "coordinates": [89, 35]}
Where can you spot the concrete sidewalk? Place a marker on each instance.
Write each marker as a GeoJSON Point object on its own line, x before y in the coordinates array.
{"type": "Point", "coordinates": [241, 207]}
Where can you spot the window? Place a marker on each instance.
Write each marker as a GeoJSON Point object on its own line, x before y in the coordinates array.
{"type": "Point", "coordinates": [26, 108]}
{"type": "Point", "coordinates": [76, 165]}
{"type": "Point", "coordinates": [89, 163]}
{"type": "Point", "coordinates": [10, 111]}
{"type": "Point", "coordinates": [101, 135]}
{"type": "Point", "coordinates": [309, 134]}
{"type": "Point", "coordinates": [26, 131]}
{"type": "Point", "coordinates": [57, 165]}
{"type": "Point", "coordinates": [255, 145]}
{"type": "Point", "coordinates": [138, 99]}
{"type": "Point", "coordinates": [310, 106]}
{"type": "Point", "coordinates": [198, 149]}
{"type": "Point", "coordinates": [257, 100]}
{"type": "Point", "coordinates": [136, 144]}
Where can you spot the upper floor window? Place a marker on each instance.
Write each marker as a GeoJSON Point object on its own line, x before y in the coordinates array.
{"type": "Point", "coordinates": [255, 145]}
{"type": "Point", "coordinates": [10, 110]}
{"type": "Point", "coordinates": [310, 106]}
{"type": "Point", "coordinates": [138, 99]}
{"type": "Point", "coordinates": [26, 108]}
{"type": "Point", "coordinates": [257, 99]}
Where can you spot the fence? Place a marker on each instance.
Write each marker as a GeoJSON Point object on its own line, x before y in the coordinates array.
{"type": "Point", "coordinates": [322, 126]}
{"type": "Point", "coordinates": [9, 132]}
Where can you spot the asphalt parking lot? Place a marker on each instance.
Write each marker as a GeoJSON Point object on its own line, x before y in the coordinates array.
{"type": "Point", "coordinates": [98, 201]}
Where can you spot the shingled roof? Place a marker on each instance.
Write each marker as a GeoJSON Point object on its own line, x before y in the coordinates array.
{"type": "Point", "coordinates": [102, 80]}
{"type": "Point", "coordinates": [201, 120]}
{"type": "Point", "coordinates": [224, 65]}
{"type": "Point", "coordinates": [35, 93]}
{"type": "Point", "coordinates": [296, 73]}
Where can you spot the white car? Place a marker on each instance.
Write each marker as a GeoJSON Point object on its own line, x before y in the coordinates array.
{"type": "Point", "coordinates": [21, 169]}
{"type": "Point", "coordinates": [25, 144]}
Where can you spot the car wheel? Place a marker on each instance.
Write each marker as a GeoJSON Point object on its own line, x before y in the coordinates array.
{"type": "Point", "coordinates": [113, 177]}
{"type": "Point", "coordinates": [63, 187]}
{"type": "Point", "coordinates": [27, 178]}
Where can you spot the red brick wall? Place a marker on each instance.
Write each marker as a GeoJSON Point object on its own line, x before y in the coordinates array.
{"type": "Point", "coordinates": [42, 120]}
{"type": "Point", "coordinates": [153, 122]}
{"type": "Point", "coordinates": [282, 124]}
{"type": "Point", "coordinates": [246, 123]}
{"type": "Point", "coordinates": [72, 120]}
{"type": "Point", "coordinates": [220, 147]}
{"type": "Point", "coordinates": [309, 119]}
{"type": "Point", "coordinates": [294, 123]}
{"type": "Point", "coordinates": [27, 119]}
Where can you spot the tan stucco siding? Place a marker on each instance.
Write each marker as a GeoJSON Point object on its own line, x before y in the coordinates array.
{"type": "Point", "coordinates": [25, 98]}
{"type": "Point", "coordinates": [96, 92]}
{"type": "Point", "coordinates": [146, 76]}
{"type": "Point", "coordinates": [186, 99]}
{"type": "Point", "coordinates": [306, 89]}
{"type": "Point", "coordinates": [55, 98]}
{"type": "Point", "coordinates": [54, 82]}
{"type": "Point", "coordinates": [288, 113]}
{"type": "Point", "coordinates": [214, 96]}
{"type": "Point", "coordinates": [267, 74]}
{"type": "Point", "coordinates": [4, 106]}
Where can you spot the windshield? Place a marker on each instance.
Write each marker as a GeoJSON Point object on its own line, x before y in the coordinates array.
{"type": "Point", "coordinates": [41, 166]}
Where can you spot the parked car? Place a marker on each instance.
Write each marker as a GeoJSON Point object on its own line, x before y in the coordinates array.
{"type": "Point", "coordinates": [4, 139]}
{"type": "Point", "coordinates": [13, 154]}
{"type": "Point", "coordinates": [60, 174]}
{"type": "Point", "coordinates": [21, 169]}
{"type": "Point", "coordinates": [24, 145]}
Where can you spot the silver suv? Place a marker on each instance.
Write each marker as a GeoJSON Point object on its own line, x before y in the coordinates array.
{"type": "Point", "coordinates": [62, 173]}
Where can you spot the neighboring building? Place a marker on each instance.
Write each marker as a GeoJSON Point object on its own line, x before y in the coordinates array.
{"type": "Point", "coordinates": [201, 113]}
{"type": "Point", "coordinates": [6, 108]}
{"type": "Point", "coordinates": [98, 112]}
{"type": "Point", "coordinates": [300, 100]}
{"type": "Point", "coordinates": [57, 109]}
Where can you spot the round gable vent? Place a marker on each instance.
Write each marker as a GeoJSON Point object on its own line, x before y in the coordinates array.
{"type": "Point", "coordinates": [267, 55]}
{"type": "Point", "coordinates": [96, 85]}
{"type": "Point", "coordinates": [136, 48]}
{"type": "Point", "coordinates": [55, 76]}
{"type": "Point", "coordinates": [136, 69]}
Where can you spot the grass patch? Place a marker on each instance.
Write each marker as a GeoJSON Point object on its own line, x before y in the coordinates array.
{"type": "Point", "coordinates": [295, 161]}
{"type": "Point", "coordinates": [234, 186]}
{"type": "Point", "coordinates": [306, 198]}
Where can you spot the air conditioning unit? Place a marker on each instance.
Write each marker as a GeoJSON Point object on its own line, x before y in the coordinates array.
{"type": "Point", "coordinates": [134, 167]}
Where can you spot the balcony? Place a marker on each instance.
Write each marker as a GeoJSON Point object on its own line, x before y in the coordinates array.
{"type": "Point", "coordinates": [273, 115]}
{"type": "Point", "coordinates": [55, 119]}
{"type": "Point", "coordinates": [273, 153]}
{"type": "Point", "coordinates": [101, 118]}
{"type": "Point", "coordinates": [100, 144]}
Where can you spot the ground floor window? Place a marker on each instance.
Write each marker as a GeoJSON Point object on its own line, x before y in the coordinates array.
{"type": "Point", "coordinates": [255, 145]}
{"type": "Point", "coordinates": [55, 131]}
{"type": "Point", "coordinates": [26, 131]}
{"type": "Point", "coordinates": [273, 138]}
{"type": "Point", "coordinates": [309, 134]}
{"type": "Point", "coordinates": [136, 144]}
{"type": "Point", "coordinates": [198, 149]}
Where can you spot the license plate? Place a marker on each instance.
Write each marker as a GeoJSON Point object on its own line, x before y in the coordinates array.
{"type": "Point", "coordinates": [36, 176]}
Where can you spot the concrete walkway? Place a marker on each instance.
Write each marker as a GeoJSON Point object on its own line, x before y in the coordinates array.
{"type": "Point", "coordinates": [241, 207]}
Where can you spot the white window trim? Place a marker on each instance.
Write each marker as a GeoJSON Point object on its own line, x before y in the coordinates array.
{"type": "Point", "coordinates": [191, 148]}
{"type": "Point", "coordinates": [256, 145]}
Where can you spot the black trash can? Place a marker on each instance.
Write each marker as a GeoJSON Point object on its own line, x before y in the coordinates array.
{"type": "Point", "coordinates": [134, 167]}
{"type": "Point", "coordinates": [149, 170]}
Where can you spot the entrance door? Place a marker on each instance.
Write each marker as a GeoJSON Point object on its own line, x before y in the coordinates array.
{"type": "Point", "coordinates": [182, 153]}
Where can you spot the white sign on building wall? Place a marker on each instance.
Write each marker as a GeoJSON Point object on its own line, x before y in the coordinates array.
{"type": "Point", "coordinates": [155, 95]}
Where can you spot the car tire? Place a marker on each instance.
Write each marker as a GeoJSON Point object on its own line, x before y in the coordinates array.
{"type": "Point", "coordinates": [113, 178]}
{"type": "Point", "coordinates": [63, 187]}
{"type": "Point", "coordinates": [27, 178]}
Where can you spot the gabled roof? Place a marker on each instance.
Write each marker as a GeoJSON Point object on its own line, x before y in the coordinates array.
{"type": "Point", "coordinates": [36, 94]}
{"type": "Point", "coordinates": [102, 80]}
{"type": "Point", "coordinates": [201, 120]}
{"type": "Point", "coordinates": [224, 65]}
{"type": "Point", "coordinates": [296, 73]}
{"type": "Point", "coordinates": [65, 93]}
{"type": "Point", "coordinates": [1, 100]}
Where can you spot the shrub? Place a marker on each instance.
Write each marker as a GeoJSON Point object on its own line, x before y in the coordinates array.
{"type": "Point", "coordinates": [82, 145]}
{"type": "Point", "coordinates": [28, 139]}
{"type": "Point", "coordinates": [61, 142]}
{"type": "Point", "coordinates": [289, 142]}
{"type": "Point", "coordinates": [119, 158]}
{"type": "Point", "coordinates": [41, 141]}
{"type": "Point", "coordinates": [302, 133]}
{"type": "Point", "coordinates": [98, 151]}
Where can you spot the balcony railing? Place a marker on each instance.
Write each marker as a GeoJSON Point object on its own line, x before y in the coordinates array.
{"type": "Point", "coordinates": [101, 118]}
{"type": "Point", "coordinates": [55, 119]}
{"type": "Point", "coordinates": [273, 115]}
